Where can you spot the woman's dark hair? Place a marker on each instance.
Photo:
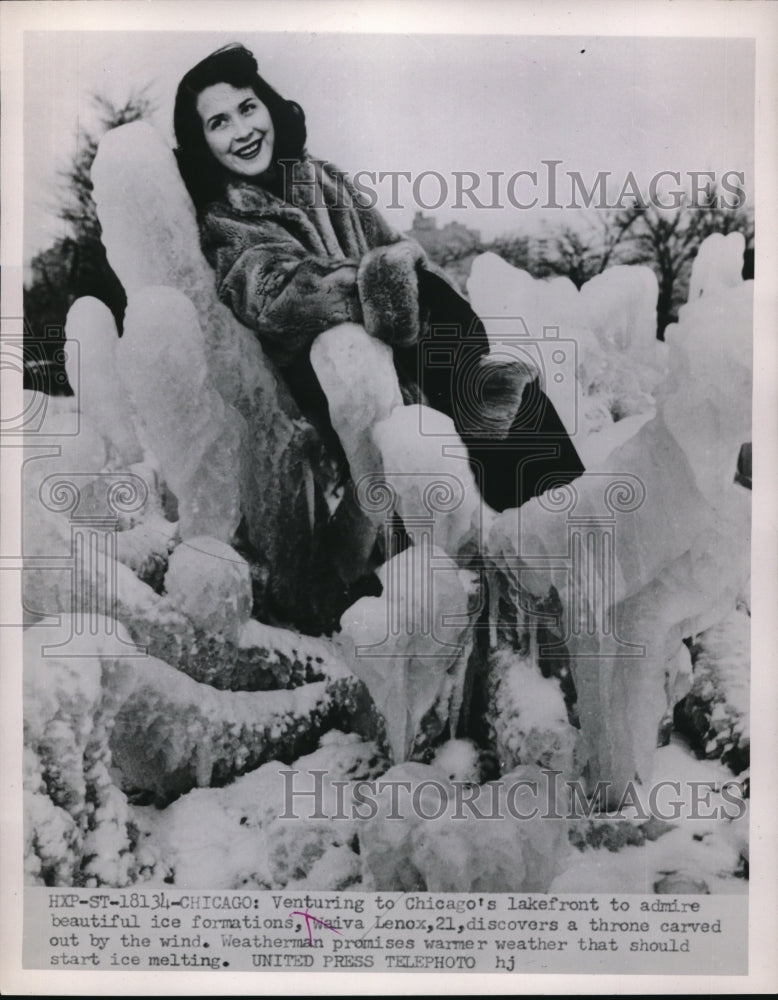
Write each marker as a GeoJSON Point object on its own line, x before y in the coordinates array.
{"type": "Point", "coordinates": [233, 64]}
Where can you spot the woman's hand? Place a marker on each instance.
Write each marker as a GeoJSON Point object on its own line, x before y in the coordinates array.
{"type": "Point", "coordinates": [276, 287]}
{"type": "Point", "coordinates": [389, 292]}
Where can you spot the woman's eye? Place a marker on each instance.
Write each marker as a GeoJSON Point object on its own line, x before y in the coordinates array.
{"type": "Point", "coordinates": [248, 108]}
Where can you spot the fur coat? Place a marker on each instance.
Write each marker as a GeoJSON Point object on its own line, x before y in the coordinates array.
{"type": "Point", "coordinates": [290, 268]}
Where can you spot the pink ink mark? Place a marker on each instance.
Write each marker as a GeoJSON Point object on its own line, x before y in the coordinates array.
{"type": "Point", "coordinates": [308, 917]}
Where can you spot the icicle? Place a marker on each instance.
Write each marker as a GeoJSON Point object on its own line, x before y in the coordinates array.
{"type": "Point", "coordinates": [494, 607]}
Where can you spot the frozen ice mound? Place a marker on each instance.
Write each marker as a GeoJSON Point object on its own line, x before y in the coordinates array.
{"type": "Point", "coordinates": [257, 832]}
{"type": "Point", "coordinates": [718, 265]}
{"type": "Point", "coordinates": [430, 481]}
{"type": "Point", "coordinates": [211, 584]}
{"type": "Point", "coordinates": [595, 350]}
{"type": "Point", "coordinates": [94, 370]}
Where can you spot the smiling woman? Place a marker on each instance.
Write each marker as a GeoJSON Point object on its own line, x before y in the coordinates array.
{"type": "Point", "coordinates": [297, 251]}
{"type": "Point", "coordinates": [238, 128]}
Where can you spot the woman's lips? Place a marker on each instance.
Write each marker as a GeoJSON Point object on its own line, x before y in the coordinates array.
{"type": "Point", "coordinates": [250, 151]}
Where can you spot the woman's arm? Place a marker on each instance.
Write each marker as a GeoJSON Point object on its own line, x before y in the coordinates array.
{"type": "Point", "coordinates": [275, 286]}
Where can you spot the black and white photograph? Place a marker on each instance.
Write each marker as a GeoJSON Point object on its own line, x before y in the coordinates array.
{"type": "Point", "coordinates": [380, 585]}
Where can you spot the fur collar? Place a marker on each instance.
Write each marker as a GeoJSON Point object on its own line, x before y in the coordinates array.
{"type": "Point", "coordinates": [320, 200]}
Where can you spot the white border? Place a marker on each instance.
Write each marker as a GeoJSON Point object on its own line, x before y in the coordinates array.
{"type": "Point", "coordinates": [700, 18]}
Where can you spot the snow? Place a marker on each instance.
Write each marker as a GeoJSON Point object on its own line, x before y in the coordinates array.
{"type": "Point", "coordinates": [528, 715]}
{"type": "Point", "coordinates": [432, 849]}
{"type": "Point", "coordinates": [70, 702]}
{"type": "Point", "coordinates": [695, 855]}
{"type": "Point", "coordinates": [715, 713]}
{"type": "Point", "coordinates": [145, 547]}
{"type": "Point", "coordinates": [174, 733]}
{"type": "Point", "coordinates": [458, 760]}
{"type": "Point", "coordinates": [235, 837]}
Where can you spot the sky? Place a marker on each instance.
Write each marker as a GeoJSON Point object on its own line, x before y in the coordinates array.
{"type": "Point", "coordinates": [437, 103]}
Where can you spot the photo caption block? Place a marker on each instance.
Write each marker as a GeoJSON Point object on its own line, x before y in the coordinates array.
{"type": "Point", "coordinates": [176, 930]}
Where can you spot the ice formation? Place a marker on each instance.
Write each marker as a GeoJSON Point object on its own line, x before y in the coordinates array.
{"type": "Point", "coordinates": [595, 350]}
{"type": "Point", "coordinates": [718, 264]}
{"type": "Point", "coordinates": [91, 327]}
{"type": "Point", "coordinates": [150, 233]}
{"type": "Point", "coordinates": [619, 306]}
{"type": "Point", "coordinates": [410, 645]}
{"type": "Point", "coordinates": [175, 531]}
{"type": "Point", "coordinates": [211, 583]}
{"type": "Point", "coordinates": [432, 486]}
{"type": "Point", "coordinates": [656, 540]}
{"type": "Point", "coordinates": [359, 379]}
{"type": "Point", "coordinates": [195, 436]}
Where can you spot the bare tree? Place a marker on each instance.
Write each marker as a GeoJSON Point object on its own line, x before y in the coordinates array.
{"type": "Point", "coordinates": [668, 241]}
{"type": "Point", "coordinates": [581, 253]}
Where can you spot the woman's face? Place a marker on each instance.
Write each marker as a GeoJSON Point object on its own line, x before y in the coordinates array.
{"type": "Point", "coordinates": [237, 128]}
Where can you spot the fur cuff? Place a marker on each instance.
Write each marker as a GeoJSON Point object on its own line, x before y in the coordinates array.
{"type": "Point", "coordinates": [389, 292]}
{"type": "Point", "coordinates": [495, 395]}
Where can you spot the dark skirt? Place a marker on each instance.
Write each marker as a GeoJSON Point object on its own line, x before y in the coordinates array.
{"type": "Point", "coordinates": [535, 454]}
